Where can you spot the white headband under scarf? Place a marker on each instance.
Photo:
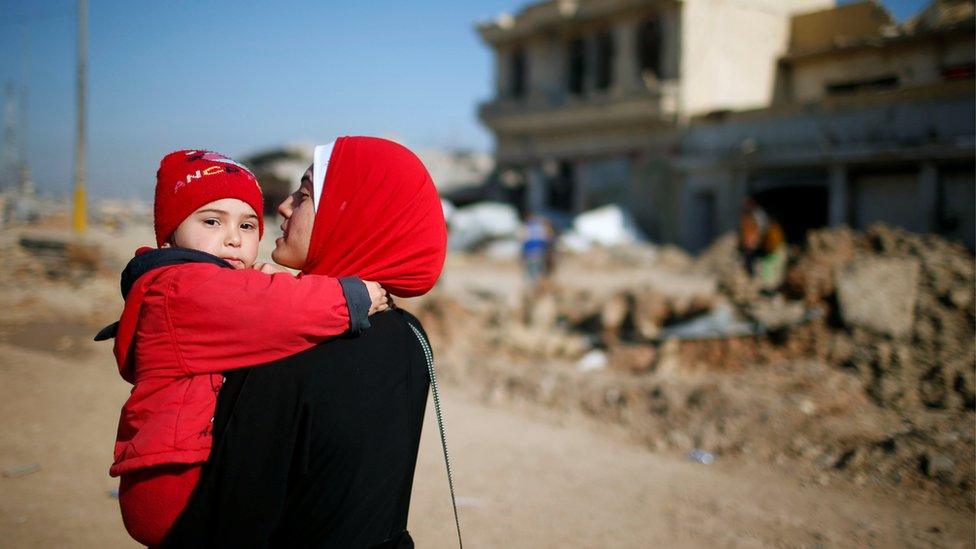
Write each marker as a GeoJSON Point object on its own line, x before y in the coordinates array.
{"type": "Point", "coordinates": [320, 165]}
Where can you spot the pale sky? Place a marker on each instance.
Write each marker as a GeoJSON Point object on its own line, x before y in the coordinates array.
{"type": "Point", "coordinates": [238, 77]}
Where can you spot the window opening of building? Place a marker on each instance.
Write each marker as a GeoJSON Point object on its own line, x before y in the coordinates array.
{"type": "Point", "coordinates": [577, 65]}
{"type": "Point", "coordinates": [562, 188]}
{"type": "Point", "coordinates": [956, 204]}
{"type": "Point", "coordinates": [518, 73]}
{"type": "Point", "coordinates": [853, 86]}
{"type": "Point", "coordinates": [704, 217]}
{"type": "Point", "coordinates": [964, 71]}
{"type": "Point", "coordinates": [604, 60]}
{"type": "Point", "coordinates": [649, 47]}
{"type": "Point", "coordinates": [604, 181]}
{"type": "Point", "coordinates": [797, 209]}
{"type": "Point", "coordinates": [798, 199]}
{"type": "Point", "coordinates": [510, 185]}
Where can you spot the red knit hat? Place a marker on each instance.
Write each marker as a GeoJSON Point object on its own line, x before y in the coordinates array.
{"type": "Point", "coordinates": [189, 179]}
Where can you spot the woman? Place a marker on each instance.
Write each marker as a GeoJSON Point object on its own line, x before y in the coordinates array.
{"type": "Point", "coordinates": [321, 452]}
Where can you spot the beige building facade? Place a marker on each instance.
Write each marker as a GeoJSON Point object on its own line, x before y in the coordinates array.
{"type": "Point", "coordinates": [591, 95]}
{"type": "Point", "coordinates": [871, 121]}
{"type": "Point", "coordinates": [662, 106]}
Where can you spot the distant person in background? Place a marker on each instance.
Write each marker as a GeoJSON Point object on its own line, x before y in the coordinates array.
{"type": "Point", "coordinates": [538, 255]}
{"type": "Point", "coordinates": [762, 244]}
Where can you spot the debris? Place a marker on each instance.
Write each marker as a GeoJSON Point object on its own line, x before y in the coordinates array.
{"type": "Point", "coordinates": [701, 456]}
{"type": "Point", "coordinates": [63, 259]}
{"type": "Point", "coordinates": [808, 407]}
{"type": "Point", "coordinates": [778, 314]}
{"type": "Point", "coordinates": [571, 241]}
{"type": "Point", "coordinates": [938, 466]}
{"type": "Point", "coordinates": [719, 323]}
{"type": "Point", "coordinates": [690, 354]}
{"type": "Point", "coordinates": [607, 226]}
{"type": "Point", "coordinates": [591, 361]}
{"type": "Point", "coordinates": [633, 357]}
{"type": "Point", "coordinates": [475, 225]}
{"type": "Point", "coordinates": [505, 249]}
{"type": "Point", "coordinates": [113, 493]}
{"type": "Point", "coordinates": [22, 471]}
{"type": "Point", "coordinates": [44, 246]}
{"type": "Point", "coordinates": [613, 314]}
{"type": "Point", "coordinates": [448, 209]}
{"type": "Point", "coordinates": [543, 343]}
{"type": "Point", "coordinates": [651, 310]}
{"type": "Point", "coordinates": [879, 294]}
{"type": "Point", "coordinates": [543, 312]}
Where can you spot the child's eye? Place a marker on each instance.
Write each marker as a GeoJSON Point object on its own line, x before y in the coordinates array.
{"type": "Point", "coordinates": [248, 226]}
{"type": "Point", "coordinates": [211, 222]}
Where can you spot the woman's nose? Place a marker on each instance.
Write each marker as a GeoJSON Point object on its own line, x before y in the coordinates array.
{"type": "Point", "coordinates": [285, 208]}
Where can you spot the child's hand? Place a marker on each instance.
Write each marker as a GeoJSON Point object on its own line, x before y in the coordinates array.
{"type": "Point", "coordinates": [271, 268]}
{"type": "Point", "coordinates": [379, 299]}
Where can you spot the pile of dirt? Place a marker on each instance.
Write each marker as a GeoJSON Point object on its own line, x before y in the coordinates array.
{"type": "Point", "coordinates": [861, 366]}
{"type": "Point", "coordinates": [51, 276]}
{"type": "Point", "coordinates": [901, 313]}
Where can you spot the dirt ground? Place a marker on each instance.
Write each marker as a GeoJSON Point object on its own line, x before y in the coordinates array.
{"type": "Point", "coordinates": [526, 476]}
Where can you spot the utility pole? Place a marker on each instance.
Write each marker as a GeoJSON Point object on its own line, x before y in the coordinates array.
{"type": "Point", "coordinates": [8, 154]}
{"type": "Point", "coordinates": [79, 217]}
{"type": "Point", "coordinates": [26, 187]}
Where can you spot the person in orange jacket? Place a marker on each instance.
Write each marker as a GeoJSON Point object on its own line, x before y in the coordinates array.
{"type": "Point", "coordinates": [761, 239]}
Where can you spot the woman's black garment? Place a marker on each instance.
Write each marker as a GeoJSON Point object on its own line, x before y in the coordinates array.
{"type": "Point", "coordinates": [316, 450]}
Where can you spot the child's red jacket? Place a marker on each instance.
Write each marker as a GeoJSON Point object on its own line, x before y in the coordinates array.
{"type": "Point", "coordinates": [185, 323]}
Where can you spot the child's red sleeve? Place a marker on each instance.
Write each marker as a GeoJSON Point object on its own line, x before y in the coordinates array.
{"type": "Point", "coordinates": [222, 319]}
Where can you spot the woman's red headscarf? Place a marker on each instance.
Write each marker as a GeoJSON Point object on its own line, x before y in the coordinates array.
{"type": "Point", "coordinates": [379, 218]}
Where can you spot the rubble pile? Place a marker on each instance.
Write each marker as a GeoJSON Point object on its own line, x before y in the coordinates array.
{"type": "Point", "coordinates": [62, 259]}
{"type": "Point", "coordinates": [861, 366]}
{"type": "Point", "coordinates": [902, 310]}
{"type": "Point", "coordinates": [54, 278]}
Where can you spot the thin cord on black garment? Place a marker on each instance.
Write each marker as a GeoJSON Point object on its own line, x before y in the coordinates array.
{"type": "Point", "coordinates": [440, 424]}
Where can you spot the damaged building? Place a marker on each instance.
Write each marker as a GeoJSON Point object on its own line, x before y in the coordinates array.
{"type": "Point", "coordinates": [677, 110]}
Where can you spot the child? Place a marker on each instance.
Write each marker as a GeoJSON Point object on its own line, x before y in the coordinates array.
{"type": "Point", "coordinates": [194, 308]}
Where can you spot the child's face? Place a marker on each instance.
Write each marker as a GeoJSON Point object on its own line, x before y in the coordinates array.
{"type": "Point", "coordinates": [291, 249]}
{"type": "Point", "coordinates": [226, 228]}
